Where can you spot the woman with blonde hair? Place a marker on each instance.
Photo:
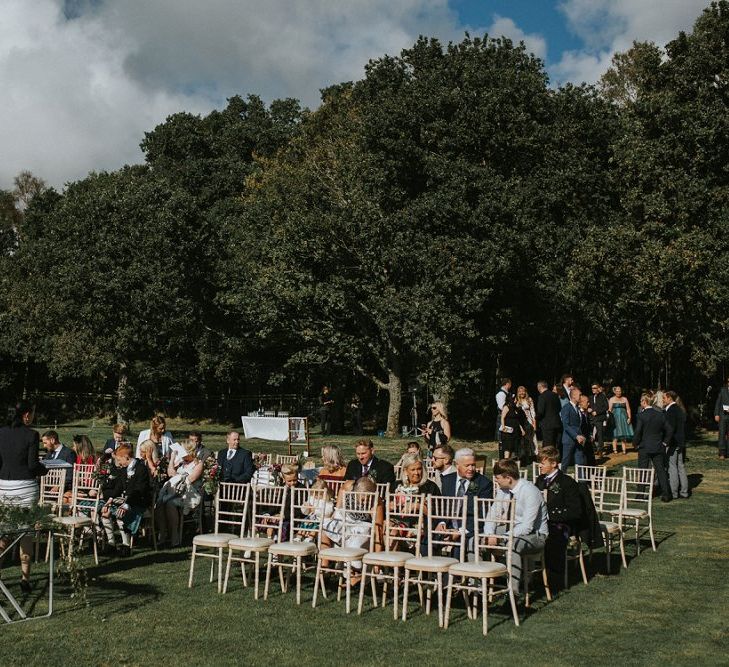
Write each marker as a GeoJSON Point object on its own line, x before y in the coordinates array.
{"type": "Point", "coordinates": [157, 433]}
{"type": "Point", "coordinates": [528, 447]}
{"type": "Point", "coordinates": [333, 466]}
{"type": "Point", "coordinates": [150, 456]}
{"type": "Point", "coordinates": [438, 430]}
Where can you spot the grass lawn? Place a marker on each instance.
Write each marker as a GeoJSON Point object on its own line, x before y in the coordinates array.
{"type": "Point", "coordinates": [669, 607]}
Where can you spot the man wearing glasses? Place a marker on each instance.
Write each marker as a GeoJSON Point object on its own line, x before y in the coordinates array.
{"type": "Point", "coordinates": [599, 414]}
{"type": "Point", "coordinates": [443, 463]}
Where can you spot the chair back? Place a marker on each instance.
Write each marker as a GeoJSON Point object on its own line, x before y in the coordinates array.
{"type": "Point", "coordinates": [404, 520]}
{"type": "Point", "coordinates": [359, 509]}
{"type": "Point", "coordinates": [268, 509]}
{"type": "Point", "coordinates": [231, 507]}
{"type": "Point", "coordinates": [334, 485]}
{"type": "Point", "coordinates": [451, 511]}
{"type": "Point", "coordinates": [85, 491]}
{"type": "Point", "coordinates": [382, 490]}
{"type": "Point", "coordinates": [308, 512]}
{"type": "Point", "coordinates": [524, 473]}
{"type": "Point", "coordinates": [638, 488]}
{"type": "Point", "coordinates": [282, 459]}
{"type": "Point", "coordinates": [262, 458]}
{"type": "Point", "coordinates": [536, 470]}
{"type": "Point", "coordinates": [398, 472]}
{"type": "Point", "coordinates": [432, 474]}
{"type": "Point", "coordinates": [588, 473]}
{"type": "Point", "coordinates": [498, 522]}
{"type": "Point", "coordinates": [607, 493]}
{"type": "Point", "coordinates": [51, 490]}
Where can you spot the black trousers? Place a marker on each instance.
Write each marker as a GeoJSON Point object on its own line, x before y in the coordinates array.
{"type": "Point", "coordinates": [326, 420]}
{"type": "Point", "coordinates": [599, 435]}
{"type": "Point", "coordinates": [723, 428]}
{"type": "Point", "coordinates": [658, 461]}
{"type": "Point", "coordinates": [550, 436]}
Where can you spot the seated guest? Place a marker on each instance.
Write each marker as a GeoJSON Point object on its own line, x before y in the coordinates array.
{"type": "Point", "coordinates": [58, 452]}
{"type": "Point", "coordinates": [180, 494]}
{"type": "Point", "coordinates": [236, 463]}
{"type": "Point", "coordinates": [443, 463]}
{"type": "Point", "coordinates": [564, 509]}
{"type": "Point", "coordinates": [118, 432]}
{"type": "Point", "coordinates": [150, 456]}
{"type": "Point", "coordinates": [332, 462]}
{"type": "Point", "coordinates": [157, 433]}
{"type": "Point", "coordinates": [530, 522]}
{"type": "Point", "coordinates": [128, 496]}
{"type": "Point", "coordinates": [201, 451]}
{"type": "Point", "coordinates": [411, 448]}
{"type": "Point", "coordinates": [368, 465]}
{"type": "Point", "coordinates": [466, 481]}
{"type": "Point", "coordinates": [84, 450]}
{"type": "Point", "coordinates": [413, 477]}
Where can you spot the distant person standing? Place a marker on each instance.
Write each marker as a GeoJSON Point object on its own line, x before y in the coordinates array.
{"type": "Point", "coordinates": [548, 408]}
{"type": "Point", "coordinates": [158, 434]}
{"type": "Point", "coordinates": [326, 403]}
{"type": "Point", "coordinates": [619, 406]}
{"type": "Point", "coordinates": [652, 430]}
{"type": "Point", "coordinates": [567, 382]}
{"type": "Point", "coordinates": [573, 438]}
{"type": "Point", "coordinates": [501, 395]}
{"type": "Point", "coordinates": [599, 412]}
{"type": "Point", "coordinates": [528, 445]}
{"type": "Point", "coordinates": [513, 428]}
{"type": "Point", "coordinates": [676, 418]}
{"type": "Point", "coordinates": [437, 431]}
{"type": "Point", "coordinates": [721, 417]}
{"type": "Point", "coordinates": [355, 406]}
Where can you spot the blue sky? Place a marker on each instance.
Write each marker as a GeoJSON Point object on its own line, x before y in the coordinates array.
{"type": "Point", "coordinates": [82, 80]}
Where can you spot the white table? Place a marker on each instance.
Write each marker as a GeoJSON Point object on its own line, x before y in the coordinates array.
{"type": "Point", "coordinates": [266, 428]}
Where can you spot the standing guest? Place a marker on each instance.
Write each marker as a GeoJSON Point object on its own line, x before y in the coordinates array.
{"type": "Point", "coordinates": [118, 432]}
{"type": "Point", "coordinates": [411, 448]}
{"type": "Point", "coordinates": [355, 406]}
{"type": "Point", "coordinates": [127, 499]}
{"type": "Point", "coordinates": [567, 382]}
{"type": "Point", "coordinates": [513, 428]}
{"type": "Point", "coordinates": [587, 429]}
{"type": "Point", "coordinates": [501, 395]}
{"type": "Point", "coordinates": [548, 408]}
{"type": "Point", "coordinates": [185, 475]}
{"type": "Point", "coordinates": [333, 467]}
{"type": "Point", "coordinates": [19, 472]}
{"type": "Point", "coordinates": [326, 404]}
{"type": "Point", "coordinates": [368, 465]}
{"type": "Point", "coordinates": [564, 509]}
{"type": "Point", "coordinates": [59, 452]}
{"type": "Point", "coordinates": [528, 447]}
{"type": "Point", "coordinates": [676, 418]}
{"type": "Point", "coordinates": [443, 463]}
{"type": "Point", "coordinates": [236, 463]}
{"type": "Point", "coordinates": [619, 406]}
{"type": "Point", "coordinates": [438, 430]}
{"type": "Point", "coordinates": [573, 439]}
{"type": "Point", "coordinates": [530, 520]}
{"type": "Point", "coordinates": [201, 451]}
{"type": "Point", "coordinates": [652, 430]}
{"type": "Point", "coordinates": [721, 417]}
{"type": "Point", "coordinates": [466, 481]}
{"type": "Point", "coordinates": [84, 450]}
{"type": "Point", "coordinates": [158, 434]}
{"type": "Point", "coordinates": [599, 407]}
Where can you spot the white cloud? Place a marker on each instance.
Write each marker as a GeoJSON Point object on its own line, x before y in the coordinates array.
{"type": "Point", "coordinates": [610, 26]}
{"type": "Point", "coordinates": [505, 26]}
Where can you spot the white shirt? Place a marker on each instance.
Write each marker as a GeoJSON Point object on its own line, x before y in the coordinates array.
{"type": "Point", "coordinates": [166, 442]}
{"type": "Point", "coordinates": [530, 511]}
{"type": "Point", "coordinates": [501, 398]}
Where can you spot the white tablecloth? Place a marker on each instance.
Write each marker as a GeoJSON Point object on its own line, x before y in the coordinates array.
{"type": "Point", "coordinates": [267, 428]}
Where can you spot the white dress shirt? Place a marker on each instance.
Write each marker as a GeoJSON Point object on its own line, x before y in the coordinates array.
{"type": "Point", "coordinates": [530, 511]}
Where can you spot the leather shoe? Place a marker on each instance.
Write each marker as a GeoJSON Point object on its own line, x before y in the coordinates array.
{"type": "Point", "coordinates": [666, 499]}
{"type": "Point", "coordinates": [25, 586]}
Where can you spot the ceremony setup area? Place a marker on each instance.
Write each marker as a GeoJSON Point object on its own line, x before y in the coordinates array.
{"type": "Point", "coordinates": [133, 607]}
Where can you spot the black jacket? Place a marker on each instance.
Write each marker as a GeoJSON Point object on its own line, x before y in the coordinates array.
{"type": "Point", "coordinates": [563, 499]}
{"type": "Point", "coordinates": [599, 405]}
{"type": "Point", "coordinates": [384, 472]}
{"type": "Point", "coordinates": [548, 407]}
{"type": "Point", "coordinates": [721, 400]}
{"type": "Point", "coordinates": [137, 486]}
{"type": "Point", "coordinates": [19, 454]}
{"type": "Point", "coordinates": [651, 431]}
{"type": "Point", "coordinates": [676, 419]}
{"type": "Point", "coordinates": [239, 469]}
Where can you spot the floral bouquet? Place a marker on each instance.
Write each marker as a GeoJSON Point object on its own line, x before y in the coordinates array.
{"type": "Point", "coordinates": [260, 459]}
{"type": "Point", "coordinates": [211, 475]}
{"type": "Point", "coordinates": [102, 470]}
{"type": "Point", "coordinates": [162, 466]}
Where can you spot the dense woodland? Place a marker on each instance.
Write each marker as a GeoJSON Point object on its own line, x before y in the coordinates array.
{"type": "Point", "coordinates": [447, 219]}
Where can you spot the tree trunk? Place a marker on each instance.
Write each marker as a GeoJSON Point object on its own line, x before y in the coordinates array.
{"type": "Point", "coordinates": [121, 396]}
{"type": "Point", "coordinates": [394, 387]}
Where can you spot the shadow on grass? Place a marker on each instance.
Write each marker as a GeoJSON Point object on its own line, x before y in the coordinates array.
{"type": "Point", "coordinates": [695, 479]}
{"type": "Point", "coordinates": [133, 562]}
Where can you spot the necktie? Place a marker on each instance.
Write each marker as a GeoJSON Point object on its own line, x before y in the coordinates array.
{"type": "Point", "coordinates": [56, 453]}
{"type": "Point", "coordinates": [461, 487]}
{"type": "Point", "coordinates": [231, 454]}
{"type": "Point", "coordinates": [365, 470]}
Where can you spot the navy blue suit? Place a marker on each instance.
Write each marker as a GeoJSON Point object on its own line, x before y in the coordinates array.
{"type": "Point", "coordinates": [484, 489]}
{"type": "Point", "coordinates": [572, 426]}
{"type": "Point", "coordinates": [69, 456]}
{"type": "Point", "coordinates": [239, 469]}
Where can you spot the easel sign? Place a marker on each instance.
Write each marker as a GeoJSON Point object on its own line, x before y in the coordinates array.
{"type": "Point", "coordinates": [298, 434]}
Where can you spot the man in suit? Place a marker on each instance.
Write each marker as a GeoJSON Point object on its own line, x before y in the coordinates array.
{"type": "Point", "coordinates": [443, 463]}
{"type": "Point", "coordinates": [467, 481]}
{"type": "Point", "coordinates": [721, 417]}
{"type": "Point", "coordinates": [326, 403]}
{"type": "Point", "coordinates": [59, 452]}
{"type": "Point", "coordinates": [652, 431]}
{"type": "Point", "coordinates": [548, 409]}
{"type": "Point", "coordinates": [567, 383]}
{"type": "Point", "coordinates": [564, 509]}
{"type": "Point", "coordinates": [501, 395]}
{"type": "Point", "coordinates": [573, 427]}
{"type": "Point", "coordinates": [201, 451]}
{"type": "Point", "coordinates": [368, 465]}
{"type": "Point", "coordinates": [236, 463]}
{"type": "Point", "coordinates": [676, 418]}
{"type": "Point", "coordinates": [118, 433]}
{"type": "Point", "coordinates": [599, 412]}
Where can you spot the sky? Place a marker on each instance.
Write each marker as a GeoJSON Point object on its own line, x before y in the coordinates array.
{"type": "Point", "coordinates": [82, 80]}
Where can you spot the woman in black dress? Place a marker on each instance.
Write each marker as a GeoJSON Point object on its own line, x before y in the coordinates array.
{"type": "Point", "coordinates": [438, 430]}
{"type": "Point", "coordinates": [513, 423]}
{"type": "Point", "coordinates": [19, 472]}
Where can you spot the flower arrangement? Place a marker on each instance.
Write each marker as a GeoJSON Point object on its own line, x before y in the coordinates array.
{"type": "Point", "coordinates": [472, 487]}
{"type": "Point", "coordinates": [102, 471]}
{"type": "Point", "coordinates": [210, 475]}
{"type": "Point", "coordinates": [162, 466]}
{"type": "Point", "coordinates": [260, 459]}
{"type": "Point", "coordinates": [274, 475]}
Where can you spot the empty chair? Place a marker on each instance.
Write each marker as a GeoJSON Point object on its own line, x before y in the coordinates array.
{"type": "Point", "coordinates": [607, 495]}
{"type": "Point", "coordinates": [282, 459]}
{"type": "Point", "coordinates": [588, 473]}
{"type": "Point", "coordinates": [638, 501]}
{"type": "Point", "coordinates": [231, 509]}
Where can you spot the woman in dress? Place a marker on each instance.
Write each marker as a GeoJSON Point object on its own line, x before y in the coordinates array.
{"type": "Point", "coordinates": [19, 472]}
{"type": "Point", "coordinates": [528, 448]}
{"type": "Point", "coordinates": [619, 407]}
{"type": "Point", "coordinates": [437, 432]}
{"type": "Point", "coordinates": [158, 434]}
{"type": "Point", "coordinates": [180, 494]}
{"type": "Point", "coordinates": [84, 450]}
{"type": "Point", "coordinates": [513, 422]}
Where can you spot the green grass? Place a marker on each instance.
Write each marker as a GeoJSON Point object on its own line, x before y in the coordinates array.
{"type": "Point", "coordinates": [668, 607]}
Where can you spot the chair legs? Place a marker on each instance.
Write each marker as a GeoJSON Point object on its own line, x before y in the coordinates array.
{"type": "Point", "coordinates": [192, 565]}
